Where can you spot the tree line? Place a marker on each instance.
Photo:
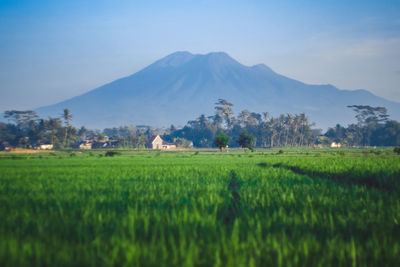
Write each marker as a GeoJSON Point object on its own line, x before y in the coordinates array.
{"type": "Point", "coordinates": [266, 131]}
{"type": "Point", "coordinates": [373, 128]}
{"type": "Point", "coordinates": [246, 129]}
{"type": "Point", "coordinates": [26, 129]}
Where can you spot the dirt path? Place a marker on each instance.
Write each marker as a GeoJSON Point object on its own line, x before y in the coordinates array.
{"type": "Point", "coordinates": [25, 151]}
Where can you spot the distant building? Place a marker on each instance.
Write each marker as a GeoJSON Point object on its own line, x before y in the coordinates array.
{"type": "Point", "coordinates": [156, 142]}
{"type": "Point", "coordinates": [96, 143]}
{"type": "Point", "coordinates": [105, 144]}
{"type": "Point", "coordinates": [335, 145]}
{"type": "Point", "coordinates": [5, 146]}
{"type": "Point", "coordinates": [86, 145]}
{"type": "Point", "coordinates": [43, 146]}
{"type": "Point", "coordinates": [167, 145]}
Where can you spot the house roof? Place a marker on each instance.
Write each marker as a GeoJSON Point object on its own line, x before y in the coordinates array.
{"type": "Point", "coordinates": [5, 143]}
{"type": "Point", "coordinates": [151, 140]}
{"type": "Point", "coordinates": [153, 137]}
{"type": "Point", "coordinates": [166, 143]}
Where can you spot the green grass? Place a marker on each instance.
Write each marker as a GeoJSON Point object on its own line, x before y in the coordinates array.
{"type": "Point", "coordinates": [148, 208]}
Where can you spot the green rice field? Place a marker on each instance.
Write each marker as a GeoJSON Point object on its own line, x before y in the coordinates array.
{"type": "Point", "coordinates": [294, 207]}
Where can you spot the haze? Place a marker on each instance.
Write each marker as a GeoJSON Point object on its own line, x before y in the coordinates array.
{"type": "Point", "coordinates": [53, 50]}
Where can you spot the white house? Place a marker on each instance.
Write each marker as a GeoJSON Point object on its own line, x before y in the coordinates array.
{"type": "Point", "coordinates": [335, 145]}
{"type": "Point", "coordinates": [44, 146]}
{"type": "Point", "coordinates": [156, 142]}
{"type": "Point", "coordinates": [86, 145]}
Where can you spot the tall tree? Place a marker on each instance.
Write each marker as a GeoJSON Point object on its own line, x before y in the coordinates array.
{"type": "Point", "coordinates": [67, 118]}
{"type": "Point", "coordinates": [22, 118]}
{"type": "Point", "coordinates": [224, 110]}
{"type": "Point", "coordinates": [368, 120]}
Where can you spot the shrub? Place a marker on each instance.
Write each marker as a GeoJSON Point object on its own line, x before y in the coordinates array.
{"type": "Point", "coordinates": [112, 153]}
{"type": "Point", "coordinates": [221, 141]}
{"type": "Point", "coordinates": [397, 150]}
{"type": "Point", "coordinates": [246, 140]}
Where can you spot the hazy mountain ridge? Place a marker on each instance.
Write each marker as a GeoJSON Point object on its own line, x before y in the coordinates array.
{"type": "Point", "coordinates": [181, 86]}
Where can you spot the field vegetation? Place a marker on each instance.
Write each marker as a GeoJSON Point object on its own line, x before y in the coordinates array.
{"type": "Point", "coordinates": [286, 207]}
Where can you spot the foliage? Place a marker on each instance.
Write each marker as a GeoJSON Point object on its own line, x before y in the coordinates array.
{"type": "Point", "coordinates": [369, 115]}
{"type": "Point", "coordinates": [28, 130]}
{"type": "Point", "coordinates": [130, 136]}
{"type": "Point", "coordinates": [373, 128]}
{"type": "Point", "coordinates": [396, 150]}
{"type": "Point", "coordinates": [21, 118]}
{"type": "Point", "coordinates": [182, 142]}
{"type": "Point", "coordinates": [221, 141]}
{"type": "Point", "coordinates": [112, 153]}
{"type": "Point", "coordinates": [285, 130]}
{"type": "Point", "coordinates": [223, 113]}
{"type": "Point", "coordinates": [246, 140]}
{"type": "Point", "coordinates": [67, 120]}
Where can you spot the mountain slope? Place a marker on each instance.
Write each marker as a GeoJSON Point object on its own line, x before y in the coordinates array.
{"type": "Point", "coordinates": [181, 86]}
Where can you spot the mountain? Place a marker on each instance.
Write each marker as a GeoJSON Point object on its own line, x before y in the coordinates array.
{"type": "Point", "coordinates": [181, 86]}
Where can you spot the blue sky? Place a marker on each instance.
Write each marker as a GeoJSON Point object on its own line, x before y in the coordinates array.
{"type": "Point", "coordinates": [53, 50]}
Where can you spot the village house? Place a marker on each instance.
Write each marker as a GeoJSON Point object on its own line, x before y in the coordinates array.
{"type": "Point", "coordinates": [335, 145]}
{"type": "Point", "coordinates": [96, 143]}
{"type": "Point", "coordinates": [156, 142]}
{"type": "Point", "coordinates": [5, 146]}
{"type": "Point", "coordinates": [105, 144]}
{"type": "Point", "coordinates": [86, 145]}
{"type": "Point", "coordinates": [43, 146]}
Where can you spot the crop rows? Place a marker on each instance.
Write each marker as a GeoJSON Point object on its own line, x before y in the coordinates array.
{"type": "Point", "coordinates": [200, 209]}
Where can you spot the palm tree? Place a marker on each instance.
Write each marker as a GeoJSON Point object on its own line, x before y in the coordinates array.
{"type": "Point", "coordinates": [273, 125]}
{"type": "Point", "coordinates": [296, 126]}
{"type": "Point", "coordinates": [67, 118]}
{"type": "Point", "coordinates": [288, 126]}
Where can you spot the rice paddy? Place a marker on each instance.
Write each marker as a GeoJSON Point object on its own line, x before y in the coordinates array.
{"type": "Point", "coordinates": [201, 208]}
